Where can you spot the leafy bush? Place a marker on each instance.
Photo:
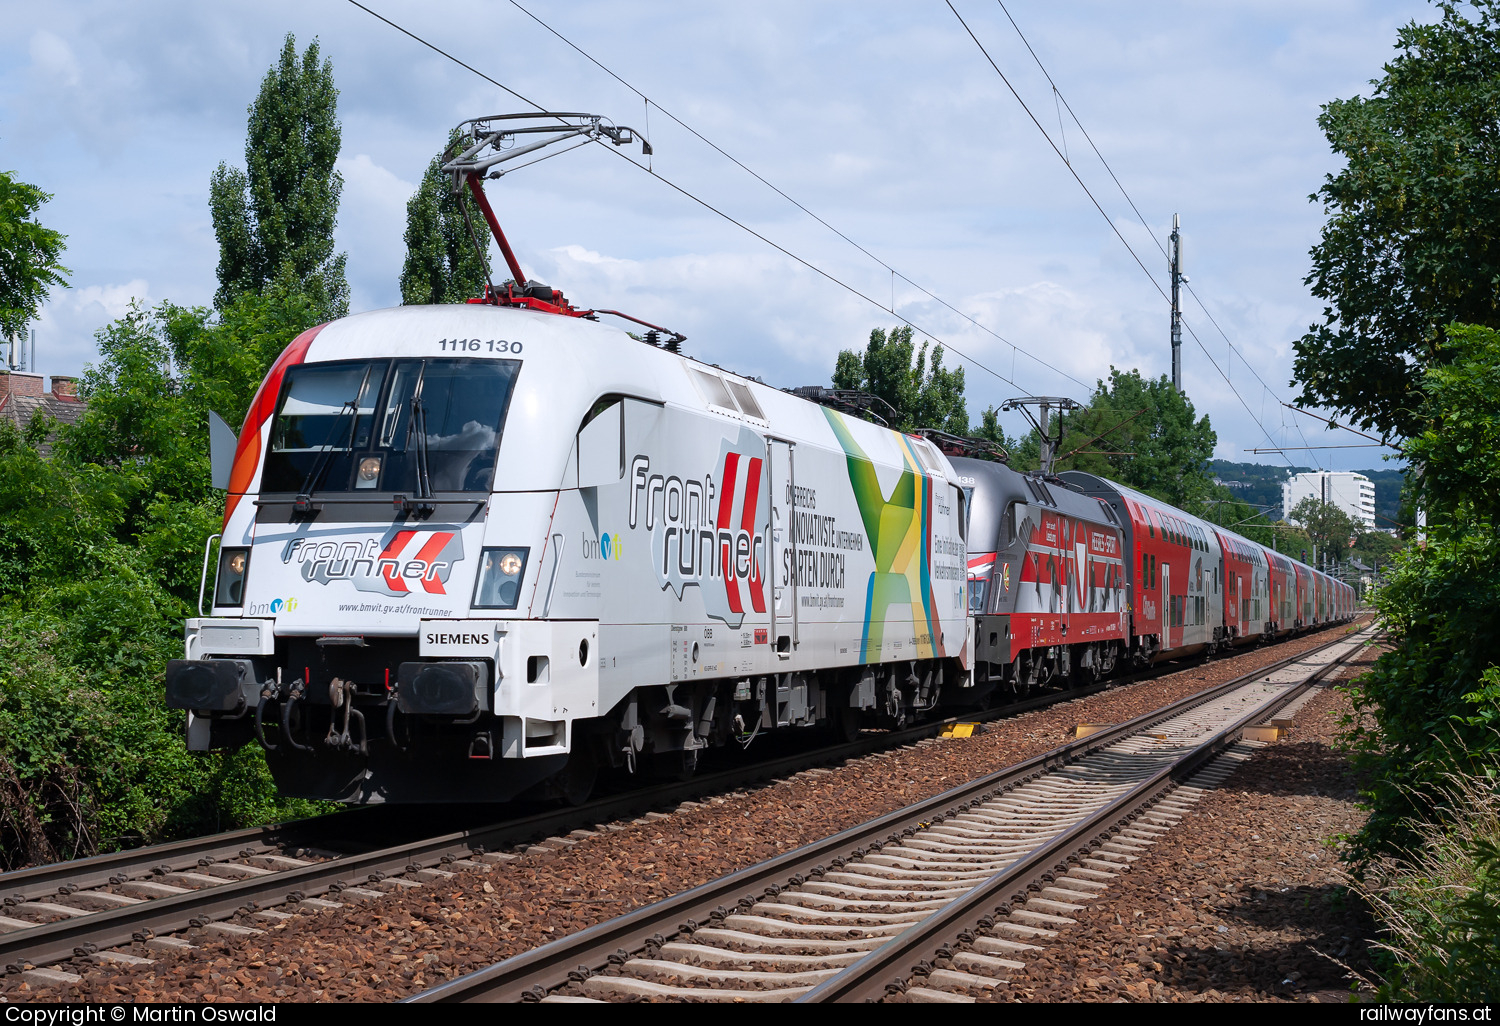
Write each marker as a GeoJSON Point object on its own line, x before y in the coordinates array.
{"type": "Point", "coordinates": [100, 554]}
{"type": "Point", "coordinates": [1441, 907]}
{"type": "Point", "coordinates": [1433, 698]}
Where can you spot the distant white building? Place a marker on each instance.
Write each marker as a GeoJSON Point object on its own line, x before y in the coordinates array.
{"type": "Point", "coordinates": [1353, 493]}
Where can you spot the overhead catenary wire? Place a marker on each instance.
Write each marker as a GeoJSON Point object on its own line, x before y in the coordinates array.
{"type": "Point", "coordinates": [710, 207]}
{"type": "Point", "coordinates": [1107, 219]}
{"type": "Point", "coordinates": [793, 201]}
{"type": "Point", "coordinates": [1057, 93]}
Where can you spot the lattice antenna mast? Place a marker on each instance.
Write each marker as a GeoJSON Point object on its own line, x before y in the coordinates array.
{"type": "Point", "coordinates": [1041, 420]}
{"type": "Point", "coordinates": [499, 138]}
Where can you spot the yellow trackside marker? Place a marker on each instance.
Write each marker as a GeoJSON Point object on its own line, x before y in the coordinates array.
{"type": "Point", "coordinates": [960, 730]}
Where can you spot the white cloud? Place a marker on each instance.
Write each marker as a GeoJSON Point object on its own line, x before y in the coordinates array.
{"type": "Point", "coordinates": [110, 302]}
{"type": "Point", "coordinates": [53, 60]}
{"type": "Point", "coordinates": [881, 117]}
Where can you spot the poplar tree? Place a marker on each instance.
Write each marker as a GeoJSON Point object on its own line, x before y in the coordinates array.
{"type": "Point", "coordinates": [274, 220]}
{"type": "Point", "coordinates": [442, 264]}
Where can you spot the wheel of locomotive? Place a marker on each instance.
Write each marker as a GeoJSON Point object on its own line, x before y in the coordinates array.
{"type": "Point", "coordinates": [680, 764]}
{"type": "Point", "coordinates": [843, 723]}
{"type": "Point", "coordinates": [576, 781]}
{"type": "Point", "coordinates": [1082, 677]}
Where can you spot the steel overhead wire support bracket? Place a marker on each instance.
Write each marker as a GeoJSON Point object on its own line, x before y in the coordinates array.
{"type": "Point", "coordinates": [1341, 427]}
{"type": "Point", "coordinates": [1040, 421]}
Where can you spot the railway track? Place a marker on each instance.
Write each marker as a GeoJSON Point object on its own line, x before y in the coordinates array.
{"type": "Point", "coordinates": [938, 901]}
{"type": "Point", "coordinates": [240, 882]}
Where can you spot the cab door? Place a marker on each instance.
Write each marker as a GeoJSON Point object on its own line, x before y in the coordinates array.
{"type": "Point", "coordinates": [784, 625]}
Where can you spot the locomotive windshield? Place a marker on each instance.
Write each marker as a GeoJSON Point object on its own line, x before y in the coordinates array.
{"type": "Point", "coordinates": [389, 426]}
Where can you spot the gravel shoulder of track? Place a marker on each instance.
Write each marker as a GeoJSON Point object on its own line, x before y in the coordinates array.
{"type": "Point", "coordinates": [396, 945]}
{"type": "Point", "coordinates": [1244, 900]}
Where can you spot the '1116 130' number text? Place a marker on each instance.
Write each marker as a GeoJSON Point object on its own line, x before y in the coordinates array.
{"type": "Point", "coordinates": [478, 345]}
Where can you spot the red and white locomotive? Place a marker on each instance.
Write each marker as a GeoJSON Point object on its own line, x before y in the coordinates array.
{"type": "Point", "coordinates": [1073, 575]}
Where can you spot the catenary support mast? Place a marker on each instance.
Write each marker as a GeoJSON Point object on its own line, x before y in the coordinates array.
{"type": "Point", "coordinates": [1174, 266]}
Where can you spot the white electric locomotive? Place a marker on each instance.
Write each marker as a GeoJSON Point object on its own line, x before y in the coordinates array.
{"type": "Point", "coordinates": [473, 549]}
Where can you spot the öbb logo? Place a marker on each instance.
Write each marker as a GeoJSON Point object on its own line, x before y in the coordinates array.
{"type": "Point", "coordinates": [607, 547]}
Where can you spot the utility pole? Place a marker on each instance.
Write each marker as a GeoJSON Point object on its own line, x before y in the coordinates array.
{"type": "Point", "coordinates": [1174, 266]}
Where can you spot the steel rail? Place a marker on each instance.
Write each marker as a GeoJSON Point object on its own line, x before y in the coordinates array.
{"type": "Point", "coordinates": [96, 870]}
{"type": "Point", "coordinates": [530, 975]}
{"type": "Point", "coordinates": [52, 942]}
{"type": "Point", "coordinates": [887, 968]}
{"type": "Point", "coordinates": [57, 941]}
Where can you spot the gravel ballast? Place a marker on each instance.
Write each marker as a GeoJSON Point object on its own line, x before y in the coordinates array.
{"type": "Point", "coordinates": [1244, 900]}
{"type": "Point", "coordinates": [394, 945]}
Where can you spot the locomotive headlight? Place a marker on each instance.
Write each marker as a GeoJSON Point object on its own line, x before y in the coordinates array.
{"type": "Point", "coordinates": [369, 472]}
{"type": "Point", "coordinates": [500, 574]}
{"type": "Point", "coordinates": [229, 589]}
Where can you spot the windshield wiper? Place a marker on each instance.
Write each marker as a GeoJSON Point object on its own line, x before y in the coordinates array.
{"type": "Point", "coordinates": [314, 478]}
{"type": "Point", "coordinates": [417, 421]}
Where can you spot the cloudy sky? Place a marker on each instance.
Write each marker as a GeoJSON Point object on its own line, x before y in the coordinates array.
{"type": "Point", "coordinates": [884, 119]}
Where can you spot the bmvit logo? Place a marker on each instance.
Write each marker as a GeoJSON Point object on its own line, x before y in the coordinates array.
{"type": "Point", "coordinates": [607, 547]}
{"type": "Point", "coordinates": [272, 607]}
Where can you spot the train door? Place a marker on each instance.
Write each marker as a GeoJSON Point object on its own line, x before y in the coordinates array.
{"type": "Point", "coordinates": [784, 624]}
{"type": "Point", "coordinates": [1166, 604]}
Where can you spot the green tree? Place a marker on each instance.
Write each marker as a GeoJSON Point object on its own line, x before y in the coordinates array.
{"type": "Point", "coordinates": [990, 430]}
{"type": "Point", "coordinates": [1375, 548]}
{"type": "Point", "coordinates": [1412, 241]}
{"type": "Point", "coordinates": [275, 219]}
{"type": "Point", "coordinates": [1143, 433]}
{"type": "Point", "coordinates": [1328, 527]}
{"type": "Point", "coordinates": [100, 552]}
{"type": "Point", "coordinates": [894, 369]}
{"type": "Point", "coordinates": [29, 255]}
{"type": "Point", "coordinates": [442, 264]}
{"type": "Point", "coordinates": [1435, 696]}
{"type": "Point", "coordinates": [1221, 506]}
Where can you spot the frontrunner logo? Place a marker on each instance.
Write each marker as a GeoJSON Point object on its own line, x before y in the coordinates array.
{"type": "Point", "coordinates": [402, 562]}
{"type": "Point", "coordinates": [708, 536]}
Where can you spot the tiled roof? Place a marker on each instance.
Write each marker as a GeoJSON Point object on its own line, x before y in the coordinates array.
{"type": "Point", "coordinates": [19, 409]}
